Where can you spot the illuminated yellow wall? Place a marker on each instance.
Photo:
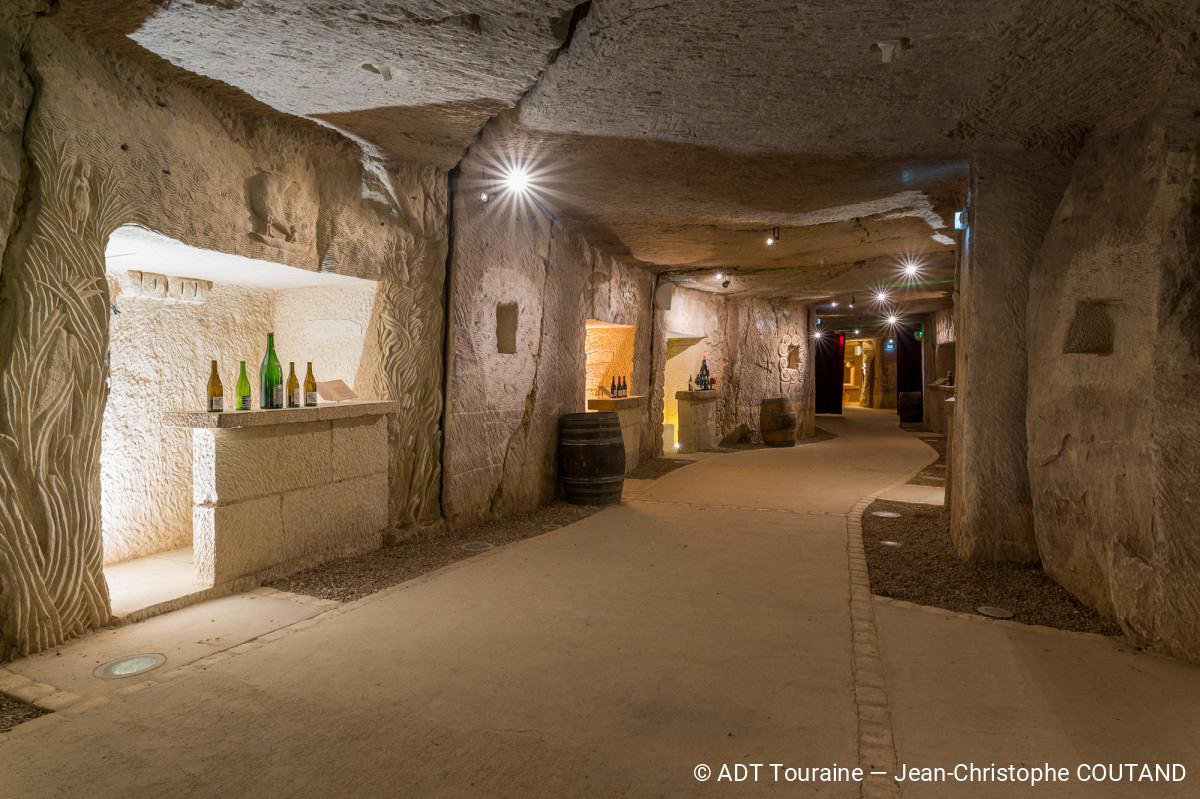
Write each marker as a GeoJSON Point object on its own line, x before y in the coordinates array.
{"type": "Point", "coordinates": [609, 355]}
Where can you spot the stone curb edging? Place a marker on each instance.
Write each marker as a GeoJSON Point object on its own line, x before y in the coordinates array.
{"type": "Point", "coordinates": [1116, 640]}
{"type": "Point", "coordinates": [876, 744]}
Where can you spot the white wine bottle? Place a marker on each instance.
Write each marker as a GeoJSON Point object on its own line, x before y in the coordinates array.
{"type": "Point", "coordinates": [216, 392]}
{"type": "Point", "coordinates": [294, 398]}
{"type": "Point", "coordinates": [310, 388]}
{"type": "Point", "coordinates": [243, 390]}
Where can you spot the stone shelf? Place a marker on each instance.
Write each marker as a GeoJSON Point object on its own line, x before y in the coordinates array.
{"type": "Point", "coordinates": [258, 417]}
{"type": "Point", "coordinates": [697, 396]}
{"type": "Point", "coordinates": [609, 404]}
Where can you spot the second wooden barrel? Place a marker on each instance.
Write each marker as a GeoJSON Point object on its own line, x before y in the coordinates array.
{"type": "Point", "coordinates": [591, 458]}
{"type": "Point", "coordinates": [778, 419]}
{"type": "Point", "coordinates": [909, 406]}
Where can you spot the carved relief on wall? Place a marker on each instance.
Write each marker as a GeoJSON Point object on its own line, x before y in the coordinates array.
{"type": "Point", "coordinates": [406, 366]}
{"type": "Point", "coordinates": [51, 572]}
{"type": "Point", "coordinates": [270, 197]}
{"type": "Point", "coordinates": [791, 343]}
{"type": "Point", "coordinates": [87, 177]}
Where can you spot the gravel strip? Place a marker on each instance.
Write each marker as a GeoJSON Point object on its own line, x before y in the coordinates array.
{"type": "Point", "coordinates": [924, 569]}
{"type": "Point", "coordinates": [935, 473]}
{"type": "Point", "coordinates": [656, 468]}
{"type": "Point", "coordinates": [348, 579]}
{"type": "Point", "coordinates": [14, 712]}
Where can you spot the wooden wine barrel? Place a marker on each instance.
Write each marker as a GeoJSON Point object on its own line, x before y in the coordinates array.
{"type": "Point", "coordinates": [591, 458]}
{"type": "Point", "coordinates": [778, 421]}
{"type": "Point", "coordinates": [908, 405]}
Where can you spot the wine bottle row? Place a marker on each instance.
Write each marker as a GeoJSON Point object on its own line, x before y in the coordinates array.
{"type": "Point", "coordinates": [619, 388]}
{"type": "Point", "coordinates": [273, 391]}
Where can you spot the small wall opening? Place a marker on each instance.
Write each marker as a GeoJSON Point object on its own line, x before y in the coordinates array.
{"type": "Point", "coordinates": [609, 350]}
{"type": "Point", "coordinates": [507, 315]}
{"type": "Point", "coordinates": [793, 357]}
{"type": "Point", "coordinates": [1091, 331]}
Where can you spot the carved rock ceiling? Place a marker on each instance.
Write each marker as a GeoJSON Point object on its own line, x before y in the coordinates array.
{"type": "Point", "coordinates": [676, 133]}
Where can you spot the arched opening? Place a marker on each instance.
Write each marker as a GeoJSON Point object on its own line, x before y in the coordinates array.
{"type": "Point", "coordinates": [174, 310]}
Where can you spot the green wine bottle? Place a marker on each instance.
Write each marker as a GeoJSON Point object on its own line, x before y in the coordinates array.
{"type": "Point", "coordinates": [270, 378]}
{"type": "Point", "coordinates": [294, 398]}
{"type": "Point", "coordinates": [243, 390]}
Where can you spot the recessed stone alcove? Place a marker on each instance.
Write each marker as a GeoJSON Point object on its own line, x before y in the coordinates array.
{"type": "Point", "coordinates": [175, 309]}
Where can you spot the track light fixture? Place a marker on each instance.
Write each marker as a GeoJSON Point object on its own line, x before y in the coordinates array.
{"type": "Point", "coordinates": [773, 238]}
{"type": "Point", "coordinates": [851, 301]}
{"type": "Point", "coordinates": [835, 302]}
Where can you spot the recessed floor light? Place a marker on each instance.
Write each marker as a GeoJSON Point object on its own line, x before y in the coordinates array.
{"type": "Point", "coordinates": [891, 543]}
{"type": "Point", "coordinates": [478, 546]}
{"type": "Point", "coordinates": [129, 666]}
{"type": "Point", "coordinates": [885, 514]}
{"type": "Point", "coordinates": [994, 613]}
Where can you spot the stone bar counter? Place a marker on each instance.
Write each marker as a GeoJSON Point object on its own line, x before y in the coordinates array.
{"type": "Point", "coordinates": [936, 395]}
{"type": "Point", "coordinates": [632, 413]}
{"type": "Point", "coordinates": [698, 419]}
{"type": "Point", "coordinates": [289, 487]}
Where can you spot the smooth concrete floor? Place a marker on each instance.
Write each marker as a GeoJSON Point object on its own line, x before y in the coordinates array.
{"type": "Point", "coordinates": [704, 621]}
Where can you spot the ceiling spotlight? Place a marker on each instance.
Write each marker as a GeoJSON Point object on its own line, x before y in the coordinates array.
{"type": "Point", "coordinates": [773, 238]}
{"type": "Point", "coordinates": [881, 296]}
{"type": "Point", "coordinates": [910, 269]}
{"type": "Point", "coordinates": [851, 301]}
{"type": "Point", "coordinates": [856, 331]}
{"type": "Point", "coordinates": [816, 334]}
{"type": "Point", "coordinates": [834, 303]}
{"type": "Point", "coordinates": [891, 320]}
{"type": "Point", "coordinates": [484, 196]}
{"type": "Point", "coordinates": [517, 180]}
{"type": "Point", "coordinates": [720, 276]}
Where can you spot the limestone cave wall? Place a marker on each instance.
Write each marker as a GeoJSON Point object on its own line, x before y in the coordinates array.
{"type": "Point", "coordinates": [103, 143]}
{"type": "Point", "coordinates": [1113, 414]}
{"type": "Point", "coordinates": [522, 290]}
{"type": "Point", "coordinates": [773, 357]}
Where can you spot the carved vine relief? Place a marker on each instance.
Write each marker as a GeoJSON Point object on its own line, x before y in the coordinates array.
{"type": "Point", "coordinates": [86, 182]}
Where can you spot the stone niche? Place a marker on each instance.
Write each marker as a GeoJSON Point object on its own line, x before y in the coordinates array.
{"type": "Point", "coordinates": [110, 141]}
{"type": "Point", "coordinates": [165, 329]}
{"type": "Point", "coordinates": [609, 348]}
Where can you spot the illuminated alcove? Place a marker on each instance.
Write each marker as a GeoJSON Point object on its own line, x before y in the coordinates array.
{"type": "Point", "coordinates": [174, 309]}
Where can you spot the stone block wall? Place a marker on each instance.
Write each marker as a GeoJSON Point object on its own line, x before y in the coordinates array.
{"type": "Point", "coordinates": [267, 496]}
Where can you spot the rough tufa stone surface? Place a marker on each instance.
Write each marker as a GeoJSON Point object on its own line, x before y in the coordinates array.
{"type": "Point", "coordinates": [991, 510]}
{"type": "Point", "coordinates": [1113, 440]}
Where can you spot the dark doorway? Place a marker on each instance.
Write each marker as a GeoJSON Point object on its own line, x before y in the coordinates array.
{"type": "Point", "coordinates": [909, 377]}
{"type": "Point", "coordinates": [830, 371]}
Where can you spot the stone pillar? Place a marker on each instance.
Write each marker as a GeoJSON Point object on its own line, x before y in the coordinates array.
{"type": "Point", "coordinates": [1013, 195]}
